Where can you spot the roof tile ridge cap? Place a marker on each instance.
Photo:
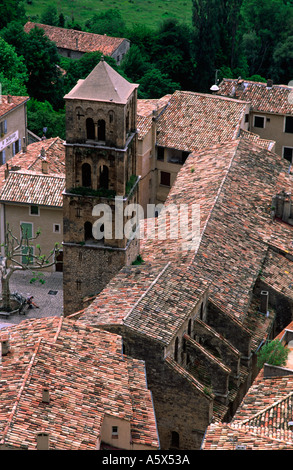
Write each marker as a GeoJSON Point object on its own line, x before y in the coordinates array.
{"type": "Point", "coordinates": [58, 329]}
{"type": "Point", "coordinates": [147, 291]}
{"type": "Point", "coordinates": [264, 410]}
{"type": "Point", "coordinates": [218, 193]}
{"type": "Point", "coordinates": [25, 378]}
{"type": "Point", "coordinates": [258, 432]}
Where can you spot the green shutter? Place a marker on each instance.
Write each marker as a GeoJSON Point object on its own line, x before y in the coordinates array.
{"type": "Point", "coordinates": [27, 232]}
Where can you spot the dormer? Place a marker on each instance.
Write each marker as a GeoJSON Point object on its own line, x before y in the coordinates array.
{"type": "Point", "coordinates": [116, 432]}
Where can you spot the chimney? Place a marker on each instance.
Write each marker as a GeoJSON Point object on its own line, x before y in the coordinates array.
{"type": "Point", "coordinates": [45, 166]}
{"type": "Point", "coordinates": [24, 145]}
{"type": "Point", "coordinates": [43, 440]}
{"type": "Point", "coordinates": [269, 83]}
{"type": "Point", "coordinates": [46, 395]}
{"type": "Point", "coordinates": [6, 171]}
{"type": "Point", "coordinates": [9, 98]}
{"type": "Point", "coordinates": [264, 302]}
{"type": "Point", "coordinates": [76, 43]}
{"type": "Point", "coordinates": [4, 345]}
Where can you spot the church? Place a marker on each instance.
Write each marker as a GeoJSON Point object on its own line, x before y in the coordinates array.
{"type": "Point", "coordinates": [197, 315]}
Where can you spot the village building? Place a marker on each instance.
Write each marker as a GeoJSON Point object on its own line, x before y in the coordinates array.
{"type": "Point", "coordinates": [263, 420]}
{"type": "Point", "coordinates": [74, 44]}
{"type": "Point", "coordinates": [13, 125]}
{"type": "Point", "coordinates": [65, 386]}
{"type": "Point", "coordinates": [205, 309]}
{"type": "Point", "coordinates": [271, 110]}
{"type": "Point", "coordinates": [31, 195]}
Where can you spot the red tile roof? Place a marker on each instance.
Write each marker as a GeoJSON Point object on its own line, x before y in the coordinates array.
{"type": "Point", "coordinates": [9, 103]}
{"type": "Point", "coordinates": [78, 40]}
{"type": "Point", "coordinates": [193, 121]}
{"type": "Point", "coordinates": [277, 99]}
{"type": "Point", "coordinates": [87, 377]}
{"type": "Point", "coordinates": [26, 183]}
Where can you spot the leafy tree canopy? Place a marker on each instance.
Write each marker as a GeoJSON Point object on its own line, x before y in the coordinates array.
{"type": "Point", "coordinates": [108, 22]}
{"type": "Point", "coordinates": [11, 10]}
{"type": "Point", "coordinates": [274, 353]}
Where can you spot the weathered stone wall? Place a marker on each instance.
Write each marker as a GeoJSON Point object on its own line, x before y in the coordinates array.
{"type": "Point", "coordinates": [87, 270]}
{"type": "Point", "coordinates": [179, 406]}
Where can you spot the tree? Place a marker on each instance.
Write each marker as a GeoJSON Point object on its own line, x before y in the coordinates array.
{"type": "Point", "coordinates": [155, 84]}
{"type": "Point", "coordinates": [42, 114]}
{"type": "Point", "coordinates": [11, 10]}
{"type": "Point", "coordinates": [19, 255]}
{"type": "Point", "coordinates": [13, 72]}
{"type": "Point", "coordinates": [50, 16]}
{"type": "Point", "coordinates": [274, 353]}
{"type": "Point", "coordinates": [206, 42]}
{"type": "Point", "coordinates": [108, 22]}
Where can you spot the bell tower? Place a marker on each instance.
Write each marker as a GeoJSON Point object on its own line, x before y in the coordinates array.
{"type": "Point", "coordinates": [101, 183]}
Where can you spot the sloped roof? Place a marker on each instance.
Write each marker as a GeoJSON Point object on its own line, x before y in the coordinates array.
{"type": "Point", "coordinates": [102, 84]}
{"type": "Point", "coordinates": [262, 420]}
{"type": "Point", "coordinates": [87, 376]}
{"type": "Point", "coordinates": [78, 40]}
{"type": "Point", "coordinates": [277, 99]}
{"type": "Point", "coordinates": [152, 299]}
{"type": "Point", "coordinates": [26, 188]}
{"type": "Point", "coordinates": [26, 183]}
{"type": "Point", "coordinates": [193, 121]}
{"type": "Point", "coordinates": [9, 103]}
{"type": "Point", "coordinates": [233, 183]}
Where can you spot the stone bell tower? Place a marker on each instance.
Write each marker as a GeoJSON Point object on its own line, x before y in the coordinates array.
{"type": "Point", "coordinates": [101, 182]}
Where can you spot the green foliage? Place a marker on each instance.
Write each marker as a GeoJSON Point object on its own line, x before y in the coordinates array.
{"type": "Point", "coordinates": [11, 10]}
{"type": "Point", "coordinates": [274, 353]}
{"type": "Point", "coordinates": [108, 22]}
{"type": "Point", "coordinates": [50, 16]}
{"type": "Point", "coordinates": [42, 114]}
{"type": "Point", "coordinates": [138, 261]}
{"type": "Point", "coordinates": [83, 191]}
{"type": "Point", "coordinates": [11, 65]}
{"type": "Point", "coordinates": [155, 84]}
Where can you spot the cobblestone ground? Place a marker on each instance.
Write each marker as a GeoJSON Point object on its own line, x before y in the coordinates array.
{"type": "Point", "coordinates": [48, 296]}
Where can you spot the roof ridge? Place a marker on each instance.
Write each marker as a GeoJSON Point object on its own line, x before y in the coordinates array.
{"type": "Point", "coordinates": [24, 381]}
{"type": "Point", "coordinates": [147, 290]}
{"type": "Point", "coordinates": [264, 410]}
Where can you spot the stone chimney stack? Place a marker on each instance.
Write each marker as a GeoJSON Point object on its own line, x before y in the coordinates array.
{"type": "Point", "coordinates": [24, 144]}
{"type": "Point", "coordinates": [46, 395]}
{"type": "Point", "coordinates": [264, 302]}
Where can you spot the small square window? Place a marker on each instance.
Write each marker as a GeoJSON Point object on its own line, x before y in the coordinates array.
{"type": "Point", "coordinates": [34, 210]}
{"type": "Point", "coordinates": [259, 121]}
{"type": "Point", "coordinates": [56, 228]}
{"type": "Point", "coordinates": [160, 153]}
{"type": "Point", "coordinates": [165, 178]}
{"type": "Point", "coordinates": [115, 432]}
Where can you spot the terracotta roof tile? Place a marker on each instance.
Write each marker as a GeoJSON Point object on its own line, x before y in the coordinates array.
{"type": "Point", "coordinates": [9, 103]}
{"type": "Point", "coordinates": [193, 121]}
{"type": "Point", "coordinates": [87, 377]}
{"type": "Point", "coordinates": [78, 40]}
{"type": "Point", "coordinates": [264, 99]}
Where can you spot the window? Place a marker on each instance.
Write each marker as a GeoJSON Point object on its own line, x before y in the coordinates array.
{"type": "Point", "coordinates": [160, 153]}
{"type": "Point", "coordinates": [114, 432]}
{"type": "Point", "coordinates": [90, 129]}
{"type": "Point", "coordinates": [56, 228]}
{"type": "Point", "coordinates": [288, 153]}
{"type": "Point", "coordinates": [259, 121]}
{"type": "Point", "coordinates": [289, 124]}
{"type": "Point", "coordinates": [165, 178]}
{"type": "Point", "coordinates": [34, 210]}
{"type": "Point", "coordinates": [2, 157]}
{"type": "Point", "coordinates": [176, 349]}
{"type": "Point", "coordinates": [101, 130]}
{"type": "Point", "coordinates": [27, 233]}
{"type": "Point", "coordinates": [86, 175]}
{"type": "Point", "coordinates": [88, 231]}
{"type": "Point", "coordinates": [104, 177]}
{"type": "Point", "coordinates": [175, 440]}
{"type": "Point", "coordinates": [3, 128]}
{"type": "Point", "coordinates": [246, 117]}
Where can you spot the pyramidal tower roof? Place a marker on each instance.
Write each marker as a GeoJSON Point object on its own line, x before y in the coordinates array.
{"type": "Point", "coordinates": [102, 84]}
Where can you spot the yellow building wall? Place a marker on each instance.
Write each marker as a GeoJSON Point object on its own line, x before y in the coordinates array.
{"type": "Point", "coordinates": [15, 214]}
